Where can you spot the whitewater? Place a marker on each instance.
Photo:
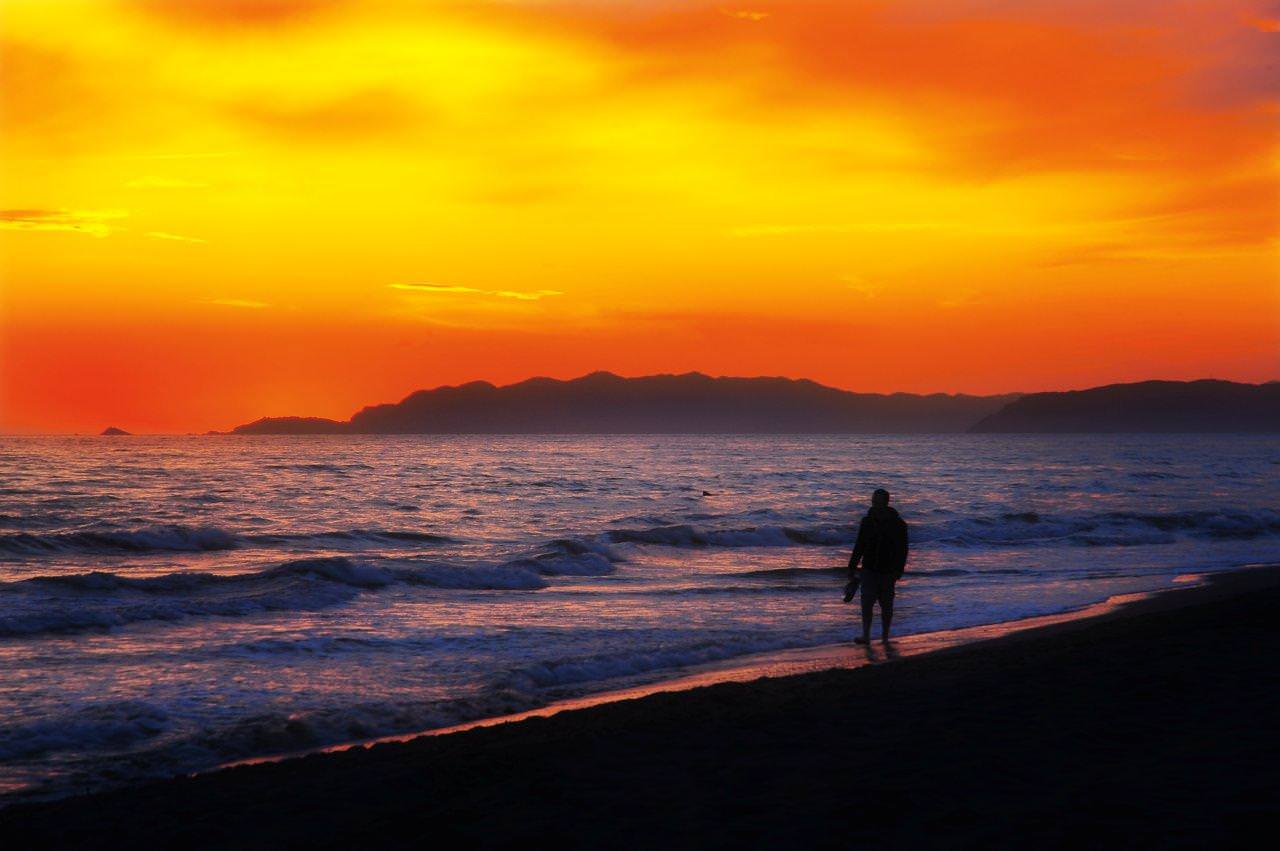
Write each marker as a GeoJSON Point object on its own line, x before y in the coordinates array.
{"type": "Point", "coordinates": [169, 604]}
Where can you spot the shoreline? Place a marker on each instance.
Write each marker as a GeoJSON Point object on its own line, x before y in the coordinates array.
{"type": "Point", "coordinates": [1154, 718]}
{"type": "Point", "coordinates": [807, 660]}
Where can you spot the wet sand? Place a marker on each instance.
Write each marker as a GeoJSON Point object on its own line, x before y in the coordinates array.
{"type": "Point", "coordinates": [1152, 721]}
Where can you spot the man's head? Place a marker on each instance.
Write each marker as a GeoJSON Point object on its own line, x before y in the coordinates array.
{"type": "Point", "coordinates": [880, 498]}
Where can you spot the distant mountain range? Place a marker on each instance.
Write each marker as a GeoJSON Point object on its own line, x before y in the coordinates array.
{"type": "Point", "coordinates": [603, 403]}
{"type": "Point", "coordinates": [1148, 406]}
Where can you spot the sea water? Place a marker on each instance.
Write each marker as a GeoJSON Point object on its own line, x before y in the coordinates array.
{"type": "Point", "coordinates": [169, 604]}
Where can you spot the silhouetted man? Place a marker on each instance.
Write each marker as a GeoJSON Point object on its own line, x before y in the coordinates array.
{"type": "Point", "coordinates": [882, 549]}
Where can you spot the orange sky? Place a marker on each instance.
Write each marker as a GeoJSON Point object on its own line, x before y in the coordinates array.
{"type": "Point", "coordinates": [214, 211]}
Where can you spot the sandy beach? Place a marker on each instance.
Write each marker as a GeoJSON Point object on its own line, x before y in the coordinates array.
{"type": "Point", "coordinates": [1152, 721]}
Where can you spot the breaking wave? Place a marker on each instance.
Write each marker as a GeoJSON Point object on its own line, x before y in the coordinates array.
{"type": "Point", "coordinates": [610, 666]}
{"type": "Point", "coordinates": [100, 600]}
{"type": "Point", "coordinates": [755, 536]}
{"type": "Point", "coordinates": [153, 539]}
{"type": "Point", "coordinates": [1010, 529]}
{"type": "Point", "coordinates": [106, 725]}
{"type": "Point", "coordinates": [588, 555]}
{"type": "Point", "coordinates": [571, 557]}
{"type": "Point", "coordinates": [159, 742]}
{"type": "Point", "coordinates": [178, 538]}
{"type": "Point", "coordinates": [826, 573]}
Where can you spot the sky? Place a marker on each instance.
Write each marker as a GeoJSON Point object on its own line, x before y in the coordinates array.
{"type": "Point", "coordinates": [216, 211]}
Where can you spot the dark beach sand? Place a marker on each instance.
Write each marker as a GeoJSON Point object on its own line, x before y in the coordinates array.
{"type": "Point", "coordinates": [1155, 724]}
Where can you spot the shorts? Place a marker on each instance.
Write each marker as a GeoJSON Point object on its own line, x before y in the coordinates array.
{"type": "Point", "coordinates": [878, 588]}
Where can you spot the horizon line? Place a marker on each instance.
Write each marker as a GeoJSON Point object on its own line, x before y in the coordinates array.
{"type": "Point", "coordinates": [604, 372]}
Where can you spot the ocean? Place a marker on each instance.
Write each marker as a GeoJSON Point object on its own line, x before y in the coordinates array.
{"type": "Point", "coordinates": [170, 604]}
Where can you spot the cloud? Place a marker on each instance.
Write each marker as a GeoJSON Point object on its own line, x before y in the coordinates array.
{"type": "Point", "coordinates": [92, 222]}
{"type": "Point", "coordinates": [152, 182]}
{"type": "Point", "coordinates": [863, 227]}
{"type": "Point", "coordinates": [434, 288]}
{"type": "Point", "coordinates": [47, 91]}
{"type": "Point", "coordinates": [358, 114]}
{"type": "Point", "coordinates": [206, 155]}
{"type": "Point", "coordinates": [967, 297]}
{"type": "Point", "coordinates": [238, 302]}
{"type": "Point", "coordinates": [1132, 252]}
{"type": "Point", "coordinates": [97, 223]}
{"type": "Point", "coordinates": [862, 286]}
{"type": "Point", "coordinates": [159, 234]}
{"type": "Point", "coordinates": [1001, 87]}
{"type": "Point", "coordinates": [444, 289]}
{"type": "Point", "coordinates": [535, 295]}
{"type": "Point", "coordinates": [231, 14]}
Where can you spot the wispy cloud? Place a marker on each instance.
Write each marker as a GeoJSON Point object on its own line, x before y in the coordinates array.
{"type": "Point", "coordinates": [238, 302]}
{"type": "Point", "coordinates": [92, 222]}
{"type": "Point", "coordinates": [236, 14]}
{"type": "Point", "coordinates": [204, 155]}
{"type": "Point", "coordinates": [434, 288]}
{"type": "Point", "coordinates": [967, 297]}
{"type": "Point", "coordinates": [153, 182]}
{"type": "Point", "coordinates": [526, 296]}
{"type": "Point", "coordinates": [862, 286]}
{"type": "Point", "coordinates": [1120, 252]}
{"type": "Point", "coordinates": [745, 14]}
{"type": "Point", "coordinates": [159, 234]}
{"type": "Point", "coordinates": [447, 289]}
{"type": "Point", "coordinates": [864, 227]}
{"type": "Point", "coordinates": [365, 113]}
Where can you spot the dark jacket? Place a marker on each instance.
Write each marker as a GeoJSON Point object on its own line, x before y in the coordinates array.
{"type": "Point", "coordinates": [882, 543]}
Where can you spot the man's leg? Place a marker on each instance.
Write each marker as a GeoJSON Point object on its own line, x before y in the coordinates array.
{"type": "Point", "coordinates": [886, 606]}
{"type": "Point", "coordinates": [868, 604]}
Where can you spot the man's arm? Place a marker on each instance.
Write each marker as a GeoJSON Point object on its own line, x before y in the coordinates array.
{"type": "Point", "coordinates": [906, 544]}
{"type": "Point", "coordinates": [859, 547]}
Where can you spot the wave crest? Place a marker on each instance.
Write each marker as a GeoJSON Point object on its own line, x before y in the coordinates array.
{"type": "Point", "coordinates": [172, 538]}
{"type": "Point", "coordinates": [100, 600]}
{"type": "Point", "coordinates": [178, 538]}
{"type": "Point", "coordinates": [1024, 528]}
